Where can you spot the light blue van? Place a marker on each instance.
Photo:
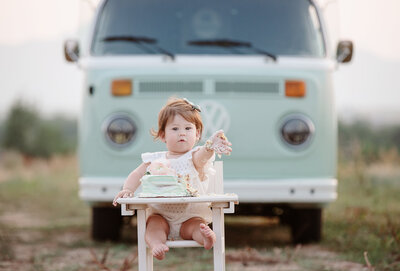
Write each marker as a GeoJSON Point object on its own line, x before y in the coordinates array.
{"type": "Point", "coordinates": [260, 69]}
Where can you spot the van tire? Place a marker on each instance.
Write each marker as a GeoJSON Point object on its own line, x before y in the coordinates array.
{"type": "Point", "coordinates": [306, 225]}
{"type": "Point", "coordinates": [106, 223]}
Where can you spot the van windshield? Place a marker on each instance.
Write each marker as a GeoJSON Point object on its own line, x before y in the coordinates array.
{"type": "Point", "coordinates": [173, 27]}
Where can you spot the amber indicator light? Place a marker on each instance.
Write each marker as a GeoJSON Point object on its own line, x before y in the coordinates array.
{"type": "Point", "coordinates": [295, 89]}
{"type": "Point", "coordinates": [121, 87]}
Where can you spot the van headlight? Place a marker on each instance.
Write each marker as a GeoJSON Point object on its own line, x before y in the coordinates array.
{"type": "Point", "coordinates": [120, 130]}
{"type": "Point", "coordinates": [297, 130]}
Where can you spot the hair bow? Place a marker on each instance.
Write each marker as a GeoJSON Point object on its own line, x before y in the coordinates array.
{"type": "Point", "coordinates": [194, 106]}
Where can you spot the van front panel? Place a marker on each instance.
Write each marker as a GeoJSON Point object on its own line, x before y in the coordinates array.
{"type": "Point", "coordinates": [249, 103]}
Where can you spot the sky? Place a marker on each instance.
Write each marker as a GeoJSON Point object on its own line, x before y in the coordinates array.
{"type": "Point", "coordinates": [39, 74]}
{"type": "Point", "coordinates": [373, 24]}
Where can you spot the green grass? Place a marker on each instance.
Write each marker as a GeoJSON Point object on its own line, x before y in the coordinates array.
{"type": "Point", "coordinates": [44, 194]}
{"type": "Point", "coordinates": [366, 216]}
{"type": "Point", "coordinates": [48, 189]}
{"type": "Point", "coordinates": [6, 251]}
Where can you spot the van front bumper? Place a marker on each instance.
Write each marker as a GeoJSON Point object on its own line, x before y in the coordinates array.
{"type": "Point", "coordinates": [314, 191]}
{"type": "Point", "coordinates": [99, 189]}
{"type": "Point", "coordinates": [296, 191]}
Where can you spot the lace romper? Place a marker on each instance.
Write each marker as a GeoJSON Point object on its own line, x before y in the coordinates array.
{"type": "Point", "coordinates": [178, 213]}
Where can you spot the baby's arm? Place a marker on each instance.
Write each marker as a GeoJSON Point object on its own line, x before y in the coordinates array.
{"type": "Point", "coordinates": [218, 143]}
{"type": "Point", "coordinates": [131, 183]}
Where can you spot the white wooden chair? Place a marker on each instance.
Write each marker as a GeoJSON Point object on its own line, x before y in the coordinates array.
{"type": "Point", "coordinates": [220, 204]}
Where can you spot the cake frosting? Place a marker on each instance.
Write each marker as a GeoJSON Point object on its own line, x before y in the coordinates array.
{"type": "Point", "coordinates": [165, 186]}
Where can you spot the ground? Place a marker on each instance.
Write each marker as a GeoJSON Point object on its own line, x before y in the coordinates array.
{"type": "Point", "coordinates": [45, 226]}
{"type": "Point", "coordinates": [36, 244]}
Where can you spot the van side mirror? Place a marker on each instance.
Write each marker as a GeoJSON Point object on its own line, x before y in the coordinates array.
{"type": "Point", "coordinates": [344, 52]}
{"type": "Point", "coordinates": [71, 50]}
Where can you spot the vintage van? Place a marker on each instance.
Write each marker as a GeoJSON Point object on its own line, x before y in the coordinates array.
{"type": "Point", "coordinates": [260, 69]}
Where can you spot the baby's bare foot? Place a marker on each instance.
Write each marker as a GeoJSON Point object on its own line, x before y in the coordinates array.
{"type": "Point", "coordinates": [208, 235]}
{"type": "Point", "coordinates": [159, 251]}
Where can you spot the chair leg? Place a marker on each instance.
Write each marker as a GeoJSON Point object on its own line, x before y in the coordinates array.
{"type": "Point", "coordinates": [219, 246]}
{"type": "Point", "coordinates": [149, 259]}
{"type": "Point", "coordinates": [142, 249]}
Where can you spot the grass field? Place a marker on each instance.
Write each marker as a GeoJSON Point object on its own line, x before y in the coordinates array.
{"type": "Point", "coordinates": [366, 217]}
{"type": "Point", "coordinates": [44, 225]}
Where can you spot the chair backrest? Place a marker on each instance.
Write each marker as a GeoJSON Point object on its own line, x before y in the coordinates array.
{"type": "Point", "coordinates": [216, 182]}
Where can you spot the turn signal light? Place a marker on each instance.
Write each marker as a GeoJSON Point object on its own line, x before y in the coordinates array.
{"type": "Point", "coordinates": [295, 89]}
{"type": "Point", "coordinates": [121, 87]}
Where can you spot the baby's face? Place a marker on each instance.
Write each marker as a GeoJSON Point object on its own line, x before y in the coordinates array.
{"type": "Point", "coordinates": [180, 135]}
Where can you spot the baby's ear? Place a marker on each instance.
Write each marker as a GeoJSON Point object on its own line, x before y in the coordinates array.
{"type": "Point", "coordinates": [162, 137]}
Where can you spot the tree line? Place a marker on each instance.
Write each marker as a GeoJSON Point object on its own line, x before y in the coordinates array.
{"type": "Point", "coordinates": [26, 131]}
{"type": "Point", "coordinates": [367, 142]}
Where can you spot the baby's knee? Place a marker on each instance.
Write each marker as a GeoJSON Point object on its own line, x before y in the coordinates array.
{"type": "Point", "coordinates": [189, 226]}
{"type": "Point", "coordinates": [157, 221]}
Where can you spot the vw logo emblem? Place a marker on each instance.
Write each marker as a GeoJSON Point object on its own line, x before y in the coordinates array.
{"type": "Point", "coordinates": [215, 117]}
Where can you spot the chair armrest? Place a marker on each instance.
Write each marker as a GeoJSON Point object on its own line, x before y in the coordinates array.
{"type": "Point", "coordinates": [125, 211]}
{"type": "Point", "coordinates": [231, 208]}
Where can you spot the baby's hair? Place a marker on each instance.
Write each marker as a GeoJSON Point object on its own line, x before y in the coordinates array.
{"type": "Point", "coordinates": [173, 107]}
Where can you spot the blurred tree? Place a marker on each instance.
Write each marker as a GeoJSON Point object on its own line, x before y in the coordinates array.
{"type": "Point", "coordinates": [25, 131]}
{"type": "Point", "coordinates": [68, 130]}
{"type": "Point", "coordinates": [1, 134]}
{"type": "Point", "coordinates": [21, 128]}
{"type": "Point", "coordinates": [371, 140]}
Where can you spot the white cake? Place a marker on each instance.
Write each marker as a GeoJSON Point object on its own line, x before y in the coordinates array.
{"type": "Point", "coordinates": [163, 186]}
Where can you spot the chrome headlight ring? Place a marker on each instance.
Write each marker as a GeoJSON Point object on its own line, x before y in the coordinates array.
{"type": "Point", "coordinates": [120, 130]}
{"type": "Point", "coordinates": [296, 131]}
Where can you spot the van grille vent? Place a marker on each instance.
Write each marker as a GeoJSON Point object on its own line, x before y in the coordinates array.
{"type": "Point", "coordinates": [169, 87]}
{"type": "Point", "coordinates": [271, 88]}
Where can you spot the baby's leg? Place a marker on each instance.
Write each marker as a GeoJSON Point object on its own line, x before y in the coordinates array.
{"type": "Point", "coordinates": [196, 229]}
{"type": "Point", "coordinates": [157, 231]}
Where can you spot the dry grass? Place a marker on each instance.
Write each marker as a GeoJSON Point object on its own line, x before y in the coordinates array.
{"type": "Point", "coordinates": [44, 226]}
{"type": "Point", "coordinates": [364, 224]}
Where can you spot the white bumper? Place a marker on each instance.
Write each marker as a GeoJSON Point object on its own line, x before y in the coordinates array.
{"type": "Point", "coordinates": [314, 191]}
{"type": "Point", "coordinates": [317, 191]}
{"type": "Point", "coordinates": [99, 189]}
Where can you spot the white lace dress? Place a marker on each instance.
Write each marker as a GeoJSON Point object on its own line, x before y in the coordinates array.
{"type": "Point", "coordinates": [176, 214]}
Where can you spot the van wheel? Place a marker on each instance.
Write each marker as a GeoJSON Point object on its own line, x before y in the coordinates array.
{"type": "Point", "coordinates": [306, 225]}
{"type": "Point", "coordinates": [106, 223]}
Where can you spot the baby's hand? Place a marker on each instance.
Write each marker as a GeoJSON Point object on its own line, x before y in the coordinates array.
{"type": "Point", "coordinates": [219, 143]}
{"type": "Point", "coordinates": [124, 193]}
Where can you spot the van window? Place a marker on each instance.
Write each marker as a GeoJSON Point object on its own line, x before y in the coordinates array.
{"type": "Point", "coordinates": [280, 27]}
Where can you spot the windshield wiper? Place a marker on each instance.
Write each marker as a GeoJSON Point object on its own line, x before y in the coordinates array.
{"type": "Point", "coordinates": [140, 41]}
{"type": "Point", "coordinates": [226, 43]}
